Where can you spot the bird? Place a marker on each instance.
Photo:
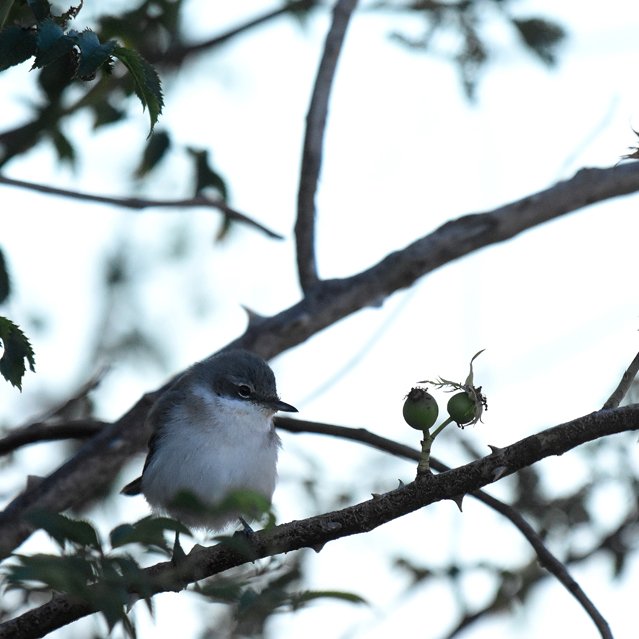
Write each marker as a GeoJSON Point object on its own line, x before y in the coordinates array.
{"type": "Point", "coordinates": [212, 435]}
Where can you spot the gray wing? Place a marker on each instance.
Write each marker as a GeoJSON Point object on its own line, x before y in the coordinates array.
{"type": "Point", "coordinates": [155, 419]}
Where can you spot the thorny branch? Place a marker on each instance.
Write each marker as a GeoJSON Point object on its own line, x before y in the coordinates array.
{"type": "Point", "coordinates": [362, 517]}
{"type": "Point", "coordinates": [85, 428]}
{"type": "Point", "coordinates": [101, 458]}
{"type": "Point", "coordinates": [544, 555]}
{"type": "Point", "coordinates": [314, 142]}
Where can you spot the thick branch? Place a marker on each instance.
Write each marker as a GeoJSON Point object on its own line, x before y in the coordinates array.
{"type": "Point", "coordinates": [137, 203]}
{"type": "Point", "coordinates": [97, 462]}
{"type": "Point", "coordinates": [101, 459]}
{"type": "Point", "coordinates": [363, 517]}
{"type": "Point", "coordinates": [313, 144]}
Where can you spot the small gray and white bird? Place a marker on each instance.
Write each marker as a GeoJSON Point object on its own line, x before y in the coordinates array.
{"type": "Point", "coordinates": [213, 434]}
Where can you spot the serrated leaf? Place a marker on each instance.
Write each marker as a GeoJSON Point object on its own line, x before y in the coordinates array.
{"type": "Point", "coordinates": [70, 13]}
{"type": "Point", "coordinates": [52, 43]}
{"type": "Point", "coordinates": [16, 46]}
{"type": "Point", "coordinates": [5, 282]}
{"type": "Point", "coordinates": [63, 574]}
{"type": "Point", "coordinates": [17, 349]}
{"type": "Point", "coordinates": [222, 590]}
{"type": "Point", "coordinates": [93, 54]}
{"type": "Point", "coordinates": [146, 82]}
{"type": "Point", "coordinates": [64, 529]}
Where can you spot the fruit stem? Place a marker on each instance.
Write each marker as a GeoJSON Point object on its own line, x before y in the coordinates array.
{"type": "Point", "coordinates": [441, 427]}
{"type": "Point", "coordinates": [423, 467]}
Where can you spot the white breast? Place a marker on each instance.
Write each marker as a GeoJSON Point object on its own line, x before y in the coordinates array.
{"type": "Point", "coordinates": [215, 445]}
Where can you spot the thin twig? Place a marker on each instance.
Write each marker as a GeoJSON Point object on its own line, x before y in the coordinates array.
{"type": "Point", "coordinates": [176, 54]}
{"type": "Point", "coordinates": [624, 384]}
{"type": "Point", "coordinates": [313, 144]}
{"type": "Point", "coordinates": [546, 558]}
{"type": "Point", "coordinates": [39, 432]}
{"type": "Point", "coordinates": [142, 203]}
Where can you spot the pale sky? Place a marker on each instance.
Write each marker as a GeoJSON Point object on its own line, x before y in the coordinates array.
{"type": "Point", "coordinates": [555, 309]}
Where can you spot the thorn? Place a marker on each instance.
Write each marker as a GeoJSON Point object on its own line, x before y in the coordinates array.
{"type": "Point", "coordinates": [375, 495]}
{"type": "Point", "coordinates": [318, 547]}
{"type": "Point", "coordinates": [499, 472]}
{"type": "Point", "coordinates": [254, 319]}
{"type": "Point", "coordinates": [494, 449]}
{"type": "Point", "coordinates": [246, 528]}
{"type": "Point", "coordinates": [458, 500]}
{"type": "Point", "coordinates": [33, 481]}
{"type": "Point", "coordinates": [178, 555]}
{"type": "Point", "coordinates": [401, 484]}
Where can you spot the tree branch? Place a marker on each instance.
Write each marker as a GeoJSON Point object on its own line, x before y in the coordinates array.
{"type": "Point", "coordinates": [313, 144]}
{"type": "Point", "coordinates": [546, 558]}
{"type": "Point", "coordinates": [176, 54]}
{"type": "Point", "coordinates": [333, 300]}
{"type": "Point", "coordinates": [363, 517]}
{"type": "Point", "coordinates": [41, 431]}
{"type": "Point", "coordinates": [38, 432]}
{"type": "Point", "coordinates": [142, 203]}
{"type": "Point", "coordinates": [624, 384]}
{"type": "Point", "coordinates": [101, 458]}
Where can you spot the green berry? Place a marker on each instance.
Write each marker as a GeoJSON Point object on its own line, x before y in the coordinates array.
{"type": "Point", "coordinates": [461, 408]}
{"type": "Point", "coordinates": [420, 409]}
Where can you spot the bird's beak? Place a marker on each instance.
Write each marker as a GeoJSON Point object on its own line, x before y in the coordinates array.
{"type": "Point", "coordinates": [283, 406]}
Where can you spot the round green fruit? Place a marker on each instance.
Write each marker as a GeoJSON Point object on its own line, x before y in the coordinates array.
{"type": "Point", "coordinates": [461, 408]}
{"type": "Point", "coordinates": [420, 409]}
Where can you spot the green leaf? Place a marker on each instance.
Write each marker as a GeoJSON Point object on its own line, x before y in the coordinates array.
{"type": "Point", "coordinates": [93, 54]}
{"type": "Point", "coordinates": [16, 46]}
{"type": "Point", "coordinates": [52, 43]}
{"type": "Point", "coordinates": [64, 529]}
{"type": "Point", "coordinates": [222, 590]}
{"type": "Point", "coordinates": [63, 574]}
{"type": "Point", "coordinates": [157, 146]}
{"type": "Point", "coordinates": [105, 113]}
{"type": "Point", "coordinates": [17, 349]}
{"type": "Point", "coordinates": [63, 147]}
{"type": "Point", "coordinates": [148, 532]}
{"type": "Point", "coordinates": [146, 81]}
{"type": "Point", "coordinates": [5, 282]}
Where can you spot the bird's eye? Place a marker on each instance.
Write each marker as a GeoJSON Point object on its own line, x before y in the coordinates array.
{"type": "Point", "coordinates": [244, 391]}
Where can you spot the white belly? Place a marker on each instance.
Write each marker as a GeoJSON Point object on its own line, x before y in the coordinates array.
{"type": "Point", "coordinates": [212, 460]}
